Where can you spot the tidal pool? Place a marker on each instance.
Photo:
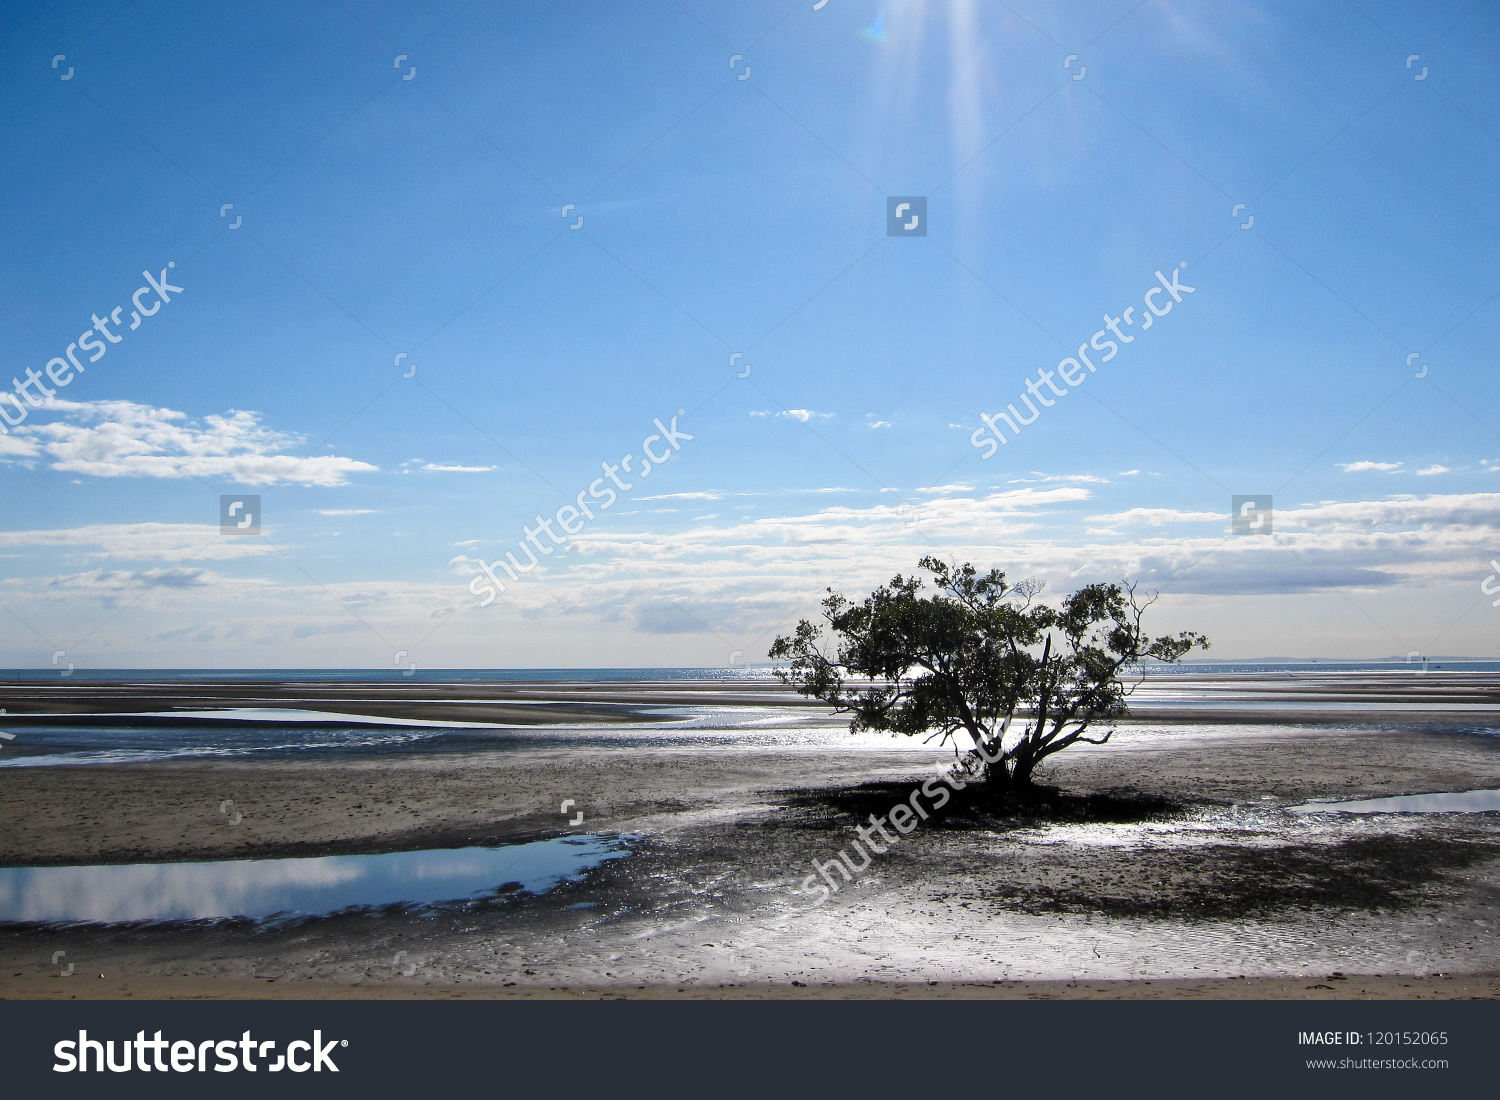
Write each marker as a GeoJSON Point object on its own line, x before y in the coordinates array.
{"type": "Point", "coordinates": [261, 889]}
{"type": "Point", "coordinates": [1458, 802]}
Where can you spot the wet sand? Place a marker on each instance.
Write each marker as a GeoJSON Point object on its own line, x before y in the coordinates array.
{"type": "Point", "coordinates": [1168, 865]}
{"type": "Point", "coordinates": [1195, 697]}
{"type": "Point", "coordinates": [525, 703]}
{"type": "Point", "coordinates": [1319, 988]}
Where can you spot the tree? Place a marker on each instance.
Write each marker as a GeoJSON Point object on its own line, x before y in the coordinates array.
{"type": "Point", "coordinates": [1022, 679]}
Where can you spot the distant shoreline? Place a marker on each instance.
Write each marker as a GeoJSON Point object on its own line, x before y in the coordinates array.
{"type": "Point", "coordinates": [751, 670]}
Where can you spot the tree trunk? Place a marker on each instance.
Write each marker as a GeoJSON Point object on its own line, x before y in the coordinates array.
{"type": "Point", "coordinates": [1004, 784]}
{"type": "Point", "coordinates": [1020, 776]}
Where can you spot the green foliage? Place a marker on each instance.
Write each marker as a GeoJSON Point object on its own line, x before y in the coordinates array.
{"type": "Point", "coordinates": [981, 657]}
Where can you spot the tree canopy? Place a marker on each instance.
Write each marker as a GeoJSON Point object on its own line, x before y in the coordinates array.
{"type": "Point", "coordinates": [981, 657]}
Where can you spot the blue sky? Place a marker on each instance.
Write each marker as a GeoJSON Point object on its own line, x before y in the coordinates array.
{"type": "Point", "coordinates": [380, 216]}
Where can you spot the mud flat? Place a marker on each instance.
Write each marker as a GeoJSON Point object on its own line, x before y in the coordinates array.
{"type": "Point", "coordinates": [1168, 863]}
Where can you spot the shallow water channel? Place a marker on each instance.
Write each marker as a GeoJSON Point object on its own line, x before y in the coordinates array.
{"type": "Point", "coordinates": [1457, 802]}
{"type": "Point", "coordinates": [261, 889]}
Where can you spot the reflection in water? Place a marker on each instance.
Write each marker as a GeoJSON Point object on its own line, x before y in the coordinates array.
{"type": "Point", "coordinates": [260, 888]}
{"type": "Point", "coordinates": [1459, 802]}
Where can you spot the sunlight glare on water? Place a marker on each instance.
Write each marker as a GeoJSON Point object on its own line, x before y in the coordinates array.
{"type": "Point", "coordinates": [1458, 802]}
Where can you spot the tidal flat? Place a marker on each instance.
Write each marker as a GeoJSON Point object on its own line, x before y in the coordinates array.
{"type": "Point", "coordinates": [1193, 855]}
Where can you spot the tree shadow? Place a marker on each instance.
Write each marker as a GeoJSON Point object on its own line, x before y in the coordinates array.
{"type": "Point", "coordinates": [977, 807]}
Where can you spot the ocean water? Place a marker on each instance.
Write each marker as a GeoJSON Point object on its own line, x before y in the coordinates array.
{"type": "Point", "coordinates": [1451, 696]}
{"type": "Point", "coordinates": [239, 736]}
{"type": "Point", "coordinates": [381, 675]}
{"type": "Point", "coordinates": [763, 672]}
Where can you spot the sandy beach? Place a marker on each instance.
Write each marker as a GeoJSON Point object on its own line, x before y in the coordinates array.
{"type": "Point", "coordinates": [1169, 863]}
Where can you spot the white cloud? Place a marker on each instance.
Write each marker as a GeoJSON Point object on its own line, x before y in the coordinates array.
{"type": "Point", "coordinates": [232, 613]}
{"type": "Point", "coordinates": [880, 424]}
{"type": "Point", "coordinates": [1445, 511]}
{"type": "Point", "coordinates": [708, 494]}
{"type": "Point", "coordinates": [748, 572]}
{"type": "Point", "coordinates": [1128, 473]}
{"type": "Point", "coordinates": [1433, 469]}
{"type": "Point", "coordinates": [1456, 511]}
{"type": "Point", "coordinates": [1042, 478]}
{"type": "Point", "coordinates": [1156, 517]}
{"type": "Point", "coordinates": [1357, 467]}
{"type": "Point", "coordinates": [418, 465]}
{"type": "Point", "coordinates": [759, 574]}
{"type": "Point", "coordinates": [946, 490]}
{"type": "Point", "coordinates": [803, 415]}
{"type": "Point", "coordinates": [17, 449]}
{"type": "Point", "coordinates": [123, 439]}
{"type": "Point", "coordinates": [144, 541]}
